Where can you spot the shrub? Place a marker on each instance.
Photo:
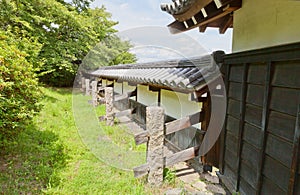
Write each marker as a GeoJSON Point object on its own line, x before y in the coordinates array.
{"type": "Point", "coordinates": [19, 92]}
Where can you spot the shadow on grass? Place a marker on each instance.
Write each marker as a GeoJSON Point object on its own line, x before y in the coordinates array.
{"type": "Point", "coordinates": [30, 163]}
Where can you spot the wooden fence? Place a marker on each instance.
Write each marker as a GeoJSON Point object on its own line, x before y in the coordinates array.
{"type": "Point", "coordinates": [261, 137]}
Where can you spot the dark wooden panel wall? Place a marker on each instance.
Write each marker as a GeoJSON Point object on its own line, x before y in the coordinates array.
{"type": "Point", "coordinates": [261, 130]}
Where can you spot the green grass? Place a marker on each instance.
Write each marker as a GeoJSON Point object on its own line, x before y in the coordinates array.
{"type": "Point", "coordinates": [50, 157]}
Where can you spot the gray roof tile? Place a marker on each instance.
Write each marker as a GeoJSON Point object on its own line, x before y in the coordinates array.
{"type": "Point", "coordinates": [180, 74]}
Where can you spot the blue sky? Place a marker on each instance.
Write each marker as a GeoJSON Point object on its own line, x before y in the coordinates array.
{"type": "Point", "coordinates": [145, 14]}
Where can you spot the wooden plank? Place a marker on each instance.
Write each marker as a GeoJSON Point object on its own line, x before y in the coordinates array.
{"type": "Point", "coordinates": [264, 124]}
{"type": "Point", "coordinates": [253, 135]}
{"type": "Point", "coordinates": [231, 159]}
{"type": "Point", "coordinates": [255, 95]}
{"type": "Point", "coordinates": [235, 91]}
{"type": "Point", "coordinates": [120, 97]}
{"type": "Point", "coordinates": [242, 120]}
{"type": "Point", "coordinates": [141, 170]}
{"type": "Point", "coordinates": [286, 74]}
{"type": "Point", "coordinates": [229, 178]}
{"type": "Point", "coordinates": [236, 73]}
{"type": "Point", "coordinates": [284, 99]}
{"type": "Point", "coordinates": [282, 125]}
{"type": "Point", "coordinates": [232, 125]}
{"type": "Point", "coordinates": [183, 123]}
{"type": "Point", "coordinates": [249, 176]}
{"type": "Point", "coordinates": [246, 188]}
{"type": "Point", "coordinates": [171, 146]}
{"type": "Point", "coordinates": [232, 143]}
{"type": "Point", "coordinates": [132, 93]}
{"type": "Point", "coordinates": [233, 108]}
{"type": "Point", "coordinates": [141, 138]}
{"type": "Point", "coordinates": [253, 115]}
{"type": "Point", "coordinates": [295, 160]}
{"type": "Point", "coordinates": [277, 173]}
{"type": "Point", "coordinates": [269, 187]}
{"type": "Point", "coordinates": [286, 52]}
{"type": "Point", "coordinates": [250, 156]}
{"type": "Point", "coordinates": [279, 149]}
{"type": "Point", "coordinates": [124, 113]}
{"type": "Point", "coordinates": [257, 73]}
{"type": "Point", "coordinates": [182, 156]}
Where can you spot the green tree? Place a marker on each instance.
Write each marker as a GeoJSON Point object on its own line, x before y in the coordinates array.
{"type": "Point", "coordinates": [66, 33]}
{"type": "Point", "coordinates": [19, 92]}
{"type": "Point", "coordinates": [110, 51]}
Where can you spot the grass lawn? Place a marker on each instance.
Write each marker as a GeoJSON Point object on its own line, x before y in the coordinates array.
{"type": "Point", "coordinates": [53, 157]}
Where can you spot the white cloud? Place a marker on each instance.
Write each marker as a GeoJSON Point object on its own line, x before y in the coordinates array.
{"type": "Point", "coordinates": [132, 14]}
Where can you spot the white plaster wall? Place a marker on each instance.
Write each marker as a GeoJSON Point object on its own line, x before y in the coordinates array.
{"type": "Point", "coordinates": [265, 23]}
{"type": "Point", "coordinates": [145, 96]}
{"type": "Point", "coordinates": [177, 104]}
{"type": "Point", "coordinates": [103, 82]}
{"type": "Point", "coordinates": [128, 88]}
{"type": "Point", "coordinates": [118, 87]}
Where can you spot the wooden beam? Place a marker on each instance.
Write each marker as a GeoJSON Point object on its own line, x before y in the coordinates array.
{"type": "Point", "coordinates": [241, 124]}
{"type": "Point", "coordinates": [154, 89]}
{"type": "Point", "coordinates": [110, 85]}
{"type": "Point", "coordinates": [132, 93]}
{"type": "Point", "coordinates": [224, 13]}
{"type": "Point", "coordinates": [141, 170]}
{"type": "Point", "coordinates": [213, 14]}
{"type": "Point", "coordinates": [141, 137]}
{"type": "Point", "coordinates": [172, 147]}
{"type": "Point", "coordinates": [202, 28]}
{"type": "Point", "coordinates": [182, 156]}
{"type": "Point", "coordinates": [124, 113]}
{"type": "Point", "coordinates": [198, 99]}
{"type": "Point", "coordinates": [295, 160]}
{"type": "Point", "coordinates": [183, 123]}
{"type": "Point", "coordinates": [120, 97]}
{"type": "Point", "coordinates": [265, 113]}
{"type": "Point", "coordinates": [228, 20]}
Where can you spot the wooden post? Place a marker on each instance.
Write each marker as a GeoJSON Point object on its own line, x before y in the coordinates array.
{"type": "Point", "coordinates": [241, 124]}
{"type": "Point", "coordinates": [264, 126]}
{"type": "Point", "coordinates": [109, 106]}
{"type": "Point", "coordinates": [94, 93]}
{"type": "Point", "coordinates": [206, 109]}
{"type": "Point", "coordinates": [295, 160]}
{"type": "Point", "coordinates": [82, 83]}
{"type": "Point", "coordinates": [87, 86]}
{"type": "Point", "coordinates": [155, 156]}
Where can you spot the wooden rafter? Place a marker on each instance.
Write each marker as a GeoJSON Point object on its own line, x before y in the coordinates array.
{"type": "Point", "coordinates": [208, 16]}
{"type": "Point", "coordinates": [227, 23]}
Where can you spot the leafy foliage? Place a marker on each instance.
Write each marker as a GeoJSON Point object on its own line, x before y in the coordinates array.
{"type": "Point", "coordinates": [19, 92]}
{"type": "Point", "coordinates": [66, 32]}
{"type": "Point", "coordinates": [110, 51]}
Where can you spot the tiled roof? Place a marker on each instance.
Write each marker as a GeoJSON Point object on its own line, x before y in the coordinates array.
{"type": "Point", "coordinates": [188, 75]}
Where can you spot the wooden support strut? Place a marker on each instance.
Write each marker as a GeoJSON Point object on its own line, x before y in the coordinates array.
{"type": "Point", "coordinates": [126, 95]}
{"type": "Point", "coordinates": [141, 138]}
{"type": "Point", "coordinates": [174, 126]}
{"type": "Point", "coordinates": [183, 123]}
{"type": "Point", "coordinates": [170, 160]}
{"type": "Point", "coordinates": [124, 113]}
